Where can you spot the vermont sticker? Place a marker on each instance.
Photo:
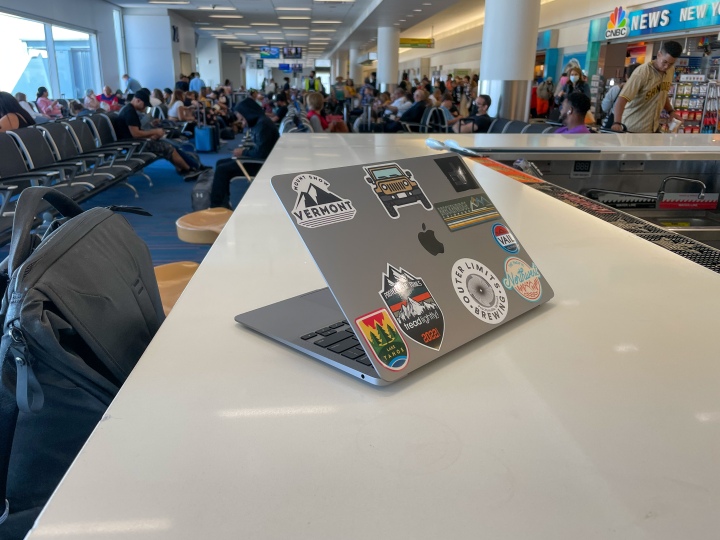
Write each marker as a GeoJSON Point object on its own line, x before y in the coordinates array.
{"type": "Point", "coordinates": [395, 187]}
{"type": "Point", "coordinates": [480, 291]}
{"type": "Point", "coordinates": [468, 211]}
{"type": "Point", "coordinates": [505, 238]}
{"type": "Point", "coordinates": [316, 205]}
{"type": "Point", "coordinates": [382, 335]}
{"type": "Point", "coordinates": [413, 307]}
{"type": "Point", "coordinates": [522, 277]}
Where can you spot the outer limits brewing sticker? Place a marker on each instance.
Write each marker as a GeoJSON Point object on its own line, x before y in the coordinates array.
{"type": "Point", "coordinates": [505, 238]}
{"type": "Point", "coordinates": [413, 307]}
{"type": "Point", "coordinates": [522, 277]}
{"type": "Point", "coordinates": [387, 344]}
{"type": "Point", "coordinates": [480, 291]}
{"type": "Point", "coordinates": [316, 205]}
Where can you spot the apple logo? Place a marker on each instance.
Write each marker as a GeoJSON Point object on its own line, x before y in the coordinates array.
{"type": "Point", "coordinates": [429, 242]}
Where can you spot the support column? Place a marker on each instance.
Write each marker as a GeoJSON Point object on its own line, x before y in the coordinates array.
{"type": "Point", "coordinates": [355, 68]}
{"type": "Point", "coordinates": [388, 50]}
{"type": "Point", "coordinates": [507, 72]}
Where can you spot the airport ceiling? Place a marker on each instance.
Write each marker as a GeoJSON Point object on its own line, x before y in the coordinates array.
{"type": "Point", "coordinates": [320, 26]}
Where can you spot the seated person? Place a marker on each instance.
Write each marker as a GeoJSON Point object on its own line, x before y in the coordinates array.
{"type": "Point", "coordinates": [315, 102]}
{"type": "Point", "coordinates": [167, 96]}
{"type": "Point", "coordinates": [281, 110]}
{"type": "Point", "coordinates": [39, 118]}
{"type": "Point", "coordinates": [479, 122]}
{"type": "Point", "coordinates": [178, 112]}
{"type": "Point", "coordinates": [264, 136]}
{"type": "Point", "coordinates": [91, 101]}
{"type": "Point", "coordinates": [156, 98]}
{"type": "Point", "coordinates": [413, 115]}
{"type": "Point", "coordinates": [572, 113]}
{"type": "Point", "coordinates": [449, 110]}
{"type": "Point", "coordinates": [77, 109]}
{"type": "Point", "coordinates": [128, 127]}
{"type": "Point", "coordinates": [47, 106]}
{"type": "Point", "coordinates": [400, 104]}
{"type": "Point", "coordinates": [109, 99]}
{"type": "Point", "coordinates": [12, 115]}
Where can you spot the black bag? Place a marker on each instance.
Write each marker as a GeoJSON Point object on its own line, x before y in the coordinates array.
{"type": "Point", "coordinates": [228, 134]}
{"type": "Point", "coordinates": [200, 196]}
{"type": "Point", "coordinates": [80, 307]}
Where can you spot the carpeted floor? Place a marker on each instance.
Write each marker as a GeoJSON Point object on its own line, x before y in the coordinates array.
{"type": "Point", "coordinates": [167, 200]}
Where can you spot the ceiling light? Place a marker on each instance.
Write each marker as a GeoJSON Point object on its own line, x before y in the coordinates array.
{"type": "Point", "coordinates": [244, 34]}
{"type": "Point", "coordinates": [323, 30]}
{"type": "Point", "coordinates": [410, 15]}
{"type": "Point", "coordinates": [296, 35]}
{"type": "Point", "coordinates": [417, 9]}
{"type": "Point", "coordinates": [293, 9]}
{"type": "Point", "coordinates": [333, 1]}
{"type": "Point", "coordinates": [269, 31]}
{"type": "Point", "coordinates": [264, 24]}
{"type": "Point", "coordinates": [214, 28]}
{"type": "Point", "coordinates": [296, 28]}
{"type": "Point", "coordinates": [201, 23]}
{"type": "Point", "coordinates": [327, 22]}
{"type": "Point", "coordinates": [214, 8]}
{"type": "Point", "coordinates": [234, 42]}
{"type": "Point", "coordinates": [226, 17]}
{"type": "Point", "coordinates": [169, 2]}
{"type": "Point", "coordinates": [235, 26]}
{"type": "Point", "coordinates": [294, 18]}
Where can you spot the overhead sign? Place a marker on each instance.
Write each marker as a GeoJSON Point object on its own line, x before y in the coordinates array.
{"type": "Point", "coordinates": [417, 43]}
{"type": "Point", "coordinates": [675, 17]}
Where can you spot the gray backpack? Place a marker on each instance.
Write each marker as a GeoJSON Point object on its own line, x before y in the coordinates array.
{"type": "Point", "coordinates": [80, 306]}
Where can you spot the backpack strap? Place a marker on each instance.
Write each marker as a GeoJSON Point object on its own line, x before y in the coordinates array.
{"type": "Point", "coordinates": [25, 212]}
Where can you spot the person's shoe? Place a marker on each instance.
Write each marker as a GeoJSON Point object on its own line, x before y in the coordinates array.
{"type": "Point", "coordinates": [192, 174]}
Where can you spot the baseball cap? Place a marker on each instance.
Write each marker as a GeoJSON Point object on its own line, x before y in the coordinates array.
{"type": "Point", "coordinates": [144, 96]}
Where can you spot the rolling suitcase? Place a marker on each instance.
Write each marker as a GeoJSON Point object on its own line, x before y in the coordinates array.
{"type": "Point", "coordinates": [207, 137]}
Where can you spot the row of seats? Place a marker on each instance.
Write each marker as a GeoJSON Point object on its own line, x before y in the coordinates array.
{"type": "Point", "coordinates": [79, 156]}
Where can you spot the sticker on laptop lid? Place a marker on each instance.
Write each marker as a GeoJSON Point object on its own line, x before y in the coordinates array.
{"type": "Point", "coordinates": [316, 205]}
{"type": "Point", "coordinates": [457, 173]}
{"type": "Point", "coordinates": [395, 187]}
{"type": "Point", "coordinates": [505, 238]}
{"type": "Point", "coordinates": [386, 343]}
{"type": "Point", "coordinates": [467, 211]}
{"type": "Point", "coordinates": [413, 307]}
{"type": "Point", "coordinates": [522, 277]}
{"type": "Point", "coordinates": [480, 291]}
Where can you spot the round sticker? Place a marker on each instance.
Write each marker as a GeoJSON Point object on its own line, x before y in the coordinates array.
{"type": "Point", "coordinates": [505, 238]}
{"type": "Point", "coordinates": [522, 277]}
{"type": "Point", "coordinates": [480, 291]}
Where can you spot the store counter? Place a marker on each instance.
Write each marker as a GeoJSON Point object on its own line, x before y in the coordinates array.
{"type": "Point", "coordinates": [595, 416]}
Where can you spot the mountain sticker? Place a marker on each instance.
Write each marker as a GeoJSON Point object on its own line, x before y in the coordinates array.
{"type": "Point", "coordinates": [413, 307]}
{"type": "Point", "coordinates": [316, 205]}
{"type": "Point", "coordinates": [387, 345]}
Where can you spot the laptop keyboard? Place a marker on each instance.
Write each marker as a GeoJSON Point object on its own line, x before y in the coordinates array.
{"type": "Point", "coordinates": [339, 338]}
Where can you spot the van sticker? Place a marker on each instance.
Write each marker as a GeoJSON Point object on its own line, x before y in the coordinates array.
{"type": "Point", "coordinates": [480, 291]}
{"type": "Point", "coordinates": [387, 344]}
{"type": "Point", "coordinates": [467, 211]}
{"type": "Point", "coordinates": [413, 307]}
{"type": "Point", "coordinates": [395, 187]}
{"type": "Point", "coordinates": [316, 205]}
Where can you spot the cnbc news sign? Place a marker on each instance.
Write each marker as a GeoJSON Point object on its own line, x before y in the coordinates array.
{"type": "Point", "coordinates": [669, 18]}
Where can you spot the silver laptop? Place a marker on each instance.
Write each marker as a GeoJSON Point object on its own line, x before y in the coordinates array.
{"type": "Point", "coordinates": [417, 259]}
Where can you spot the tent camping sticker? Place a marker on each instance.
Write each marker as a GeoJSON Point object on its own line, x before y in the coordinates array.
{"type": "Point", "coordinates": [316, 205]}
{"type": "Point", "coordinates": [382, 335]}
{"type": "Point", "coordinates": [395, 187]}
{"type": "Point", "coordinates": [480, 291]}
{"type": "Point", "coordinates": [522, 277]}
{"type": "Point", "coordinates": [413, 307]}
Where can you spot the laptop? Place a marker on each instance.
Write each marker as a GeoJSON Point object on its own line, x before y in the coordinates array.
{"type": "Point", "coordinates": [417, 259]}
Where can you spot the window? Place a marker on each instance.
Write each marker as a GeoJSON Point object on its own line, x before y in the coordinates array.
{"type": "Point", "coordinates": [39, 54]}
{"type": "Point", "coordinates": [120, 41]}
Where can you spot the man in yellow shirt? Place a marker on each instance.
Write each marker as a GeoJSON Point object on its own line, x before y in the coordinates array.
{"type": "Point", "coordinates": [645, 94]}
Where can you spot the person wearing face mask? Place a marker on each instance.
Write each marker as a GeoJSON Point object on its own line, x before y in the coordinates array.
{"type": "Point", "coordinates": [645, 94]}
{"type": "Point", "coordinates": [575, 84]}
{"type": "Point", "coordinates": [572, 113]}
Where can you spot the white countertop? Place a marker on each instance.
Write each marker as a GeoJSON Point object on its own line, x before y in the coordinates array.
{"type": "Point", "coordinates": [595, 416]}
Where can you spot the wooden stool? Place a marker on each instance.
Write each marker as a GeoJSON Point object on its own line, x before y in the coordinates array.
{"type": "Point", "coordinates": [172, 279]}
{"type": "Point", "coordinates": [202, 227]}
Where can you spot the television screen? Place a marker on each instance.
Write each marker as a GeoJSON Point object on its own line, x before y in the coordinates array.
{"type": "Point", "coordinates": [284, 67]}
{"type": "Point", "coordinates": [297, 67]}
{"type": "Point", "coordinates": [292, 52]}
{"type": "Point", "coordinates": [269, 52]}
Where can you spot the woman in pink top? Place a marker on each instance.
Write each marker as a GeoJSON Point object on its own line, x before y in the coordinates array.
{"type": "Point", "coordinates": [47, 106]}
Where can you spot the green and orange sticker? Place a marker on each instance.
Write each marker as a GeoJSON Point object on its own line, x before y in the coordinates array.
{"type": "Point", "coordinates": [382, 335]}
